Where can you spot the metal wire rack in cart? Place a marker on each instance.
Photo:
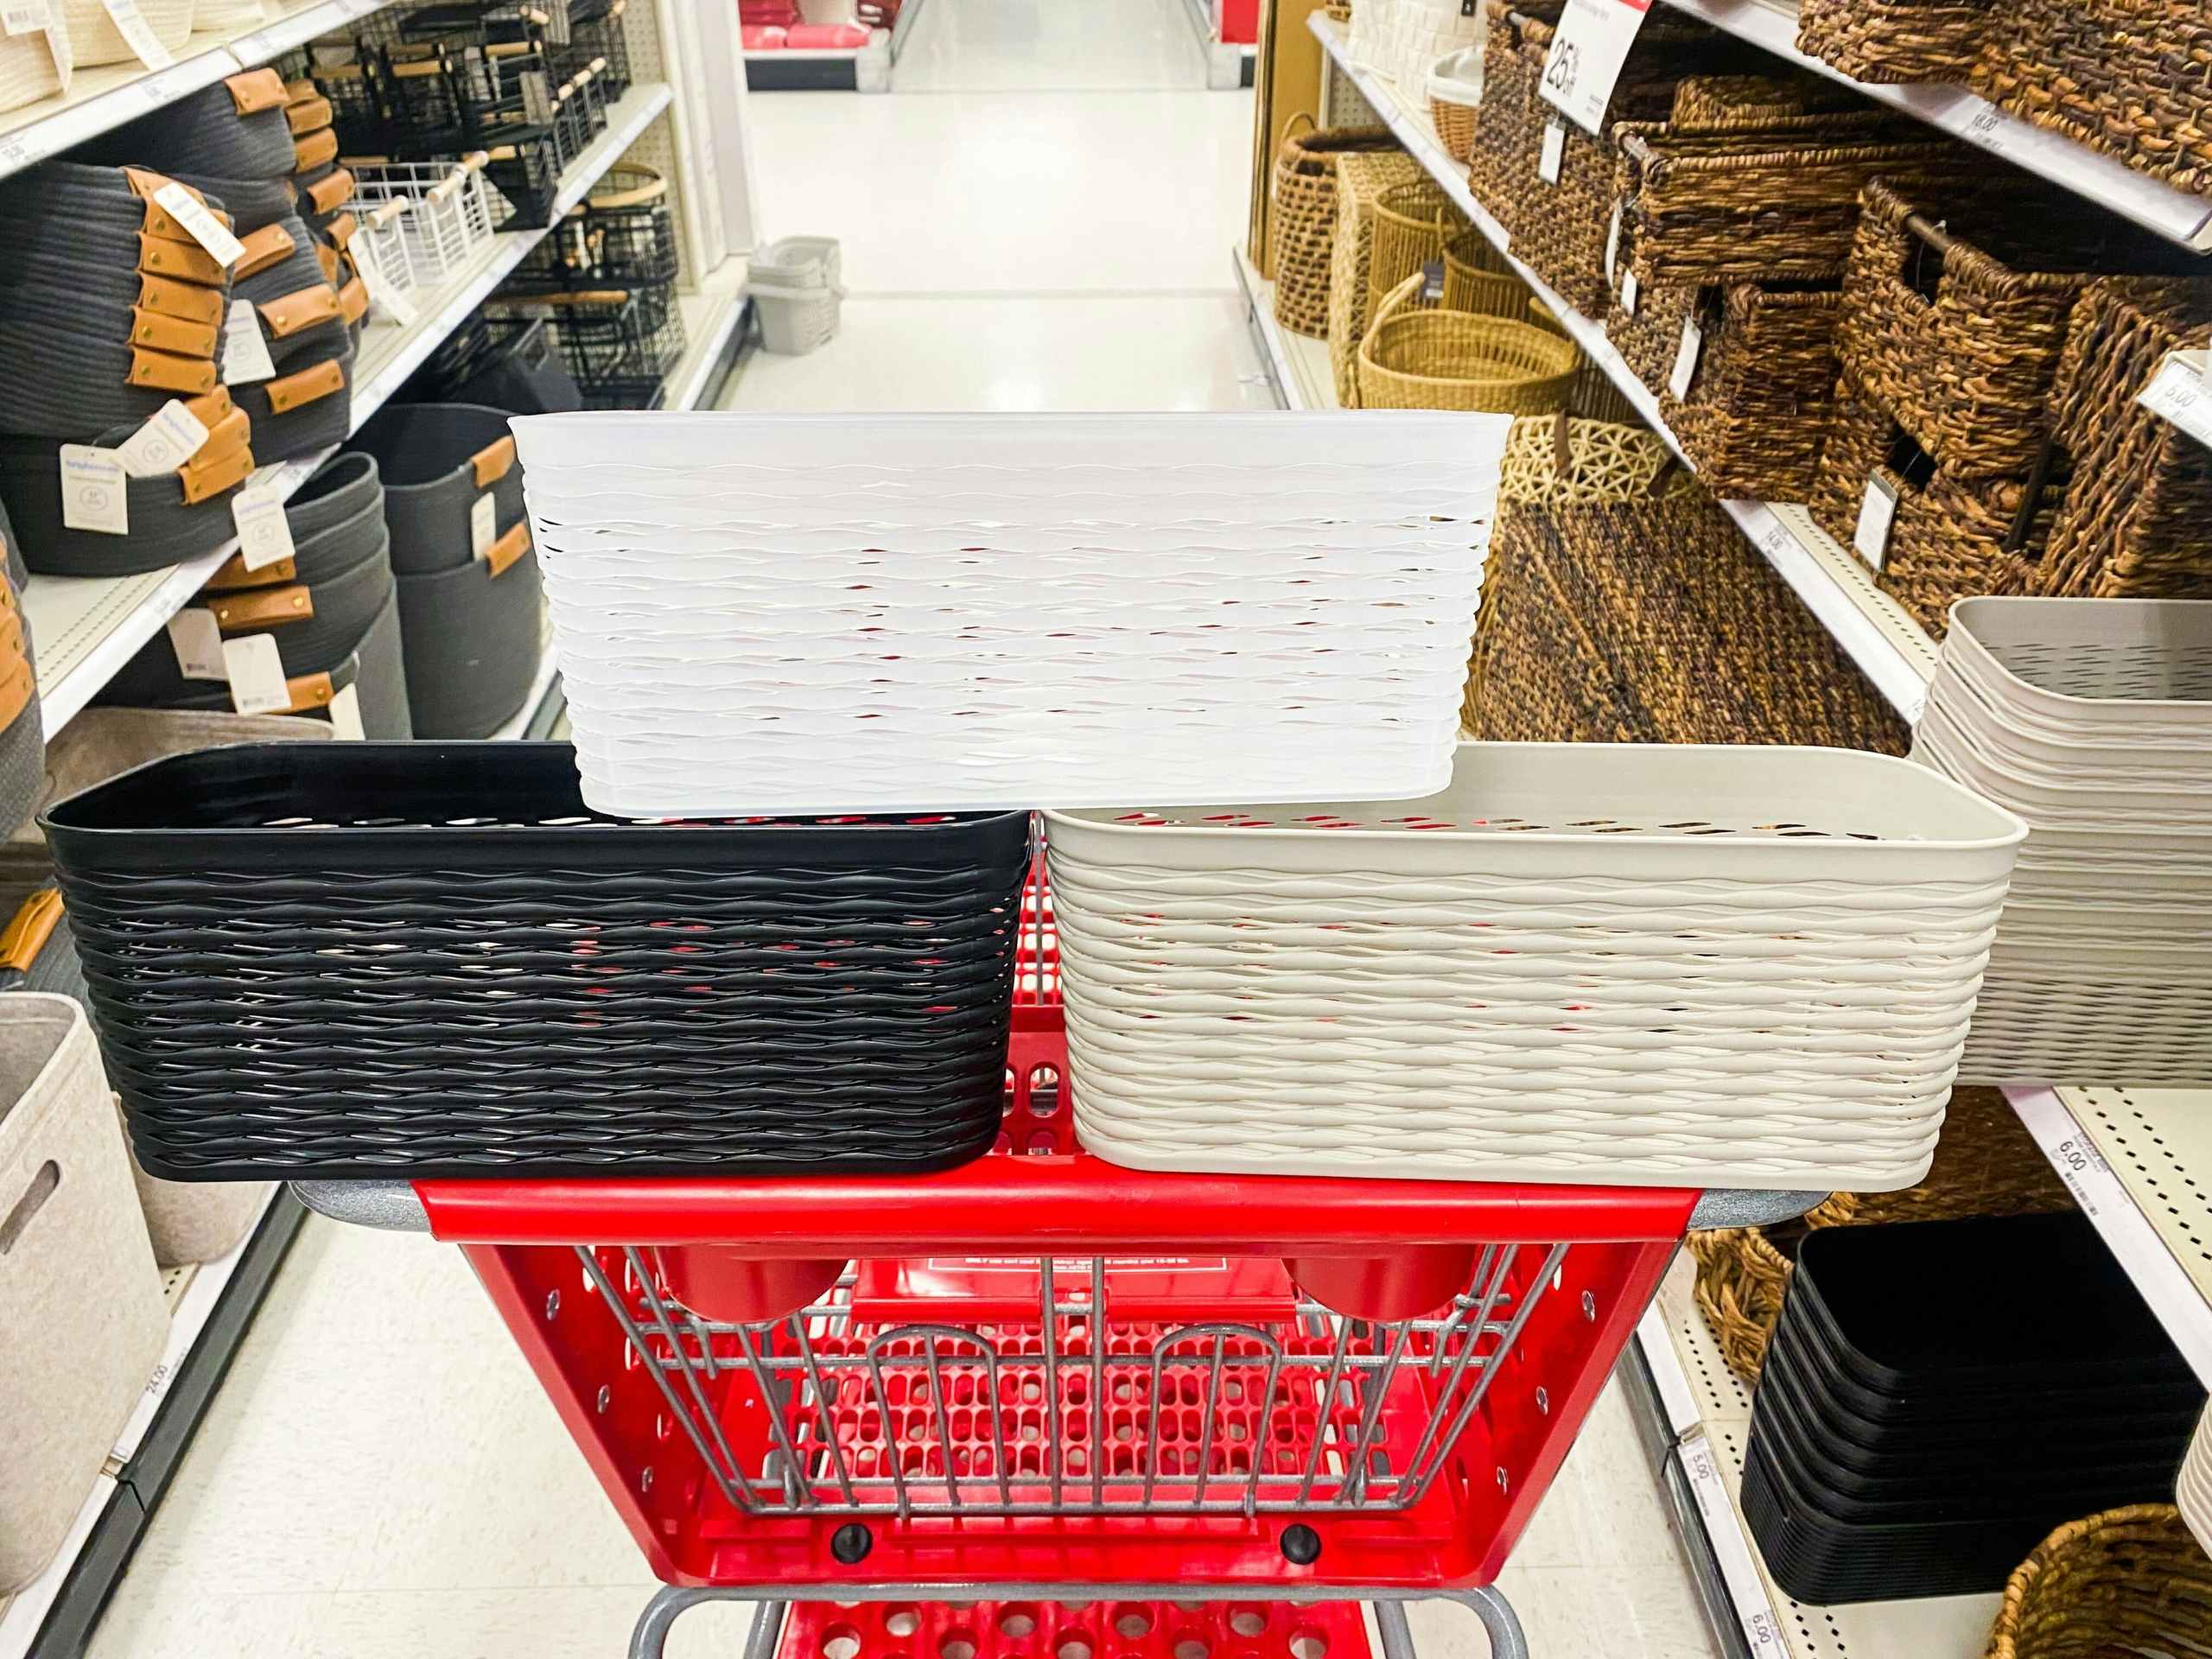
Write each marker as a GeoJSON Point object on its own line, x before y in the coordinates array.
{"type": "Point", "coordinates": [1041, 1377]}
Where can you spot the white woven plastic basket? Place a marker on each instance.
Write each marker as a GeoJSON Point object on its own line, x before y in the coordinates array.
{"type": "Point", "coordinates": [1668, 965]}
{"type": "Point", "coordinates": [881, 613]}
{"type": "Point", "coordinates": [2193, 1491]}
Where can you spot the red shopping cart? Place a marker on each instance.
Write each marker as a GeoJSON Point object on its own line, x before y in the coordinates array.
{"type": "Point", "coordinates": [1041, 1378]}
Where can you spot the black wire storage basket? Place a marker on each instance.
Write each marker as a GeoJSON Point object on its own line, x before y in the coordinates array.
{"type": "Point", "coordinates": [597, 42]}
{"type": "Point", "coordinates": [431, 959]}
{"type": "Point", "coordinates": [623, 235]}
{"type": "Point", "coordinates": [621, 344]}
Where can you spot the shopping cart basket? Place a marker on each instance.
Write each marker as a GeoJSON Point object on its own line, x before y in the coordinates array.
{"type": "Point", "coordinates": [1041, 1377]}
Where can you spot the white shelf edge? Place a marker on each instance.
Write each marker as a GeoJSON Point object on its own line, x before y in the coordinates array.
{"type": "Point", "coordinates": [28, 137]}
{"type": "Point", "coordinates": [1266, 333]}
{"type": "Point", "coordinates": [2119, 1221]}
{"type": "Point", "coordinates": [2109, 182]}
{"type": "Point", "coordinates": [69, 696]}
{"type": "Point", "coordinates": [1842, 609]}
{"type": "Point", "coordinates": [689, 383]}
{"type": "Point", "coordinates": [24, 1613]}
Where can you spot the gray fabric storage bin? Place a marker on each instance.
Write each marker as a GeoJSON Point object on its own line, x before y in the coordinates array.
{"type": "Point", "coordinates": [22, 741]}
{"type": "Point", "coordinates": [165, 528]}
{"type": "Point", "coordinates": [335, 494]}
{"type": "Point", "coordinates": [380, 669]}
{"type": "Point", "coordinates": [472, 640]}
{"type": "Point", "coordinates": [232, 130]}
{"type": "Point", "coordinates": [78, 1289]}
{"type": "Point", "coordinates": [307, 407]}
{"type": "Point", "coordinates": [435, 460]}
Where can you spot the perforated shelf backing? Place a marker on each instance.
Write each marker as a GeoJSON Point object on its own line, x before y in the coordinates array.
{"type": "Point", "coordinates": [1949, 1627]}
{"type": "Point", "coordinates": [2158, 1143]}
{"type": "Point", "coordinates": [1344, 106]}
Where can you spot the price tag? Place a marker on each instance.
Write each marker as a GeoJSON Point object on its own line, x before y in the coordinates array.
{"type": "Point", "coordinates": [537, 98]}
{"type": "Point", "coordinates": [1431, 280]}
{"type": "Point", "coordinates": [246, 350]}
{"type": "Point", "coordinates": [170, 437]}
{"type": "Point", "coordinates": [95, 494]}
{"type": "Point", "coordinates": [1630, 291]}
{"type": "Point", "coordinates": [1588, 48]}
{"type": "Point", "coordinates": [200, 224]}
{"type": "Point", "coordinates": [198, 641]}
{"type": "Point", "coordinates": [392, 305]}
{"type": "Point", "coordinates": [25, 16]}
{"type": "Point", "coordinates": [1613, 244]}
{"type": "Point", "coordinates": [345, 713]}
{"type": "Point", "coordinates": [1555, 149]}
{"type": "Point", "coordinates": [138, 35]}
{"type": "Point", "coordinates": [257, 675]}
{"type": "Point", "coordinates": [1878, 508]}
{"type": "Point", "coordinates": [1686, 356]}
{"type": "Point", "coordinates": [2177, 393]}
{"type": "Point", "coordinates": [264, 534]}
{"type": "Point", "coordinates": [483, 525]}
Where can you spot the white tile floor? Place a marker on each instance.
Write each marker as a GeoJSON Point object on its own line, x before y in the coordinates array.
{"type": "Point", "coordinates": [1039, 217]}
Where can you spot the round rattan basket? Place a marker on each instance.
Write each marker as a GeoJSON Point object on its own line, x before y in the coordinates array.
{"type": "Point", "coordinates": [1412, 223]}
{"type": "Point", "coordinates": [1477, 278]}
{"type": "Point", "coordinates": [2131, 1580]}
{"type": "Point", "coordinates": [1455, 92]}
{"type": "Point", "coordinates": [1461, 361]}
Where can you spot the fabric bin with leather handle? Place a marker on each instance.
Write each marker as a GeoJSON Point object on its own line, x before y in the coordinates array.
{"type": "Point", "coordinates": [375, 671]}
{"type": "Point", "coordinates": [76, 1269]}
{"type": "Point", "coordinates": [471, 637]}
{"type": "Point", "coordinates": [302, 410]}
{"type": "Point", "coordinates": [234, 129]}
{"type": "Point", "coordinates": [435, 460]}
{"type": "Point", "coordinates": [281, 277]}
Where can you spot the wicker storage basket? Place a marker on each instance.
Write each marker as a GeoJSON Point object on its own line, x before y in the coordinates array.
{"type": "Point", "coordinates": [1749, 103]}
{"type": "Point", "coordinates": [1455, 92]}
{"type": "Point", "coordinates": [35, 64]}
{"type": "Point", "coordinates": [1955, 310]}
{"type": "Point", "coordinates": [1889, 43]}
{"type": "Point", "coordinates": [1477, 278]}
{"type": "Point", "coordinates": [1302, 218]}
{"type": "Point", "coordinates": [1949, 538]}
{"type": "Point", "coordinates": [1247, 992]}
{"type": "Point", "coordinates": [2122, 76]}
{"type": "Point", "coordinates": [1412, 223]}
{"type": "Point", "coordinates": [94, 40]}
{"type": "Point", "coordinates": [2129, 1580]}
{"type": "Point", "coordinates": [1987, 1164]}
{"type": "Point", "coordinates": [1510, 121]}
{"type": "Point", "coordinates": [1457, 359]}
{"type": "Point", "coordinates": [1361, 177]}
{"type": "Point", "coordinates": [1777, 204]}
{"type": "Point", "coordinates": [2137, 517]}
{"type": "Point", "coordinates": [1761, 390]}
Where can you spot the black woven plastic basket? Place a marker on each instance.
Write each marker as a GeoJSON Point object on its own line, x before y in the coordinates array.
{"type": "Point", "coordinates": [369, 959]}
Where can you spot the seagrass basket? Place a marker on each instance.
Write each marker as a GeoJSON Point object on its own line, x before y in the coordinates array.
{"type": "Point", "coordinates": [1753, 413]}
{"type": "Point", "coordinates": [1889, 43]}
{"type": "Point", "coordinates": [1412, 223]}
{"type": "Point", "coordinates": [1510, 121]}
{"type": "Point", "coordinates": [1477, 278]}
{"type": "Point", "coordinates": [1302, 216]}
{"type": "Point", "coordinates": [1361, 177]}
{"type": "Point", "coordinates": [2130, 1580]}
{"type": "Point", "coordinates": [1414, 358]}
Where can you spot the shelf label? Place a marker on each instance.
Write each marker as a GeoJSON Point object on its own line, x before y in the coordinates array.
{"type": "Point", "coordinates": [245, 352]}
{"type": "Point", "coordinates": [1877, 509]}
{"type": "Point", "coordinates": [138, 35]}
{"type": "Point", "coordinates": [483, 525]}
{"type": "Point", "coordinates": [171, 436]}
{"type": "Point", "coordinates": [256, 671]}
{"type": "Point", "coordinates": [1686, 356]}
{"type": "Point", "coordinates": [95, 495]}
{"type": "Point", "coordinates": [1631, 289]}
{"type": "Point", "coordinates": [1587, 51]}
{"type": "Point", "coordinates": [197, 638]}
{"type": "Point", "coordinates": [1555, 149]}
{"type": "Point", "coordinates": [1731, 1550]}
{"type": "Point", "coordinates": [2177, 393]}
{"type": "Point", "coordinates": [200, 224]}
{"type": "Point", "coordinates": [264, 533]}
{"type": "Point", "coordinates": [345, 713]}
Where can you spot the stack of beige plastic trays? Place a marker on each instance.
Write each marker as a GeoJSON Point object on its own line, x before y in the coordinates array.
{"type": "Point", "coordinates": [2092, 718]}
{"type": "Point", "coordinates": [2193, 1488]}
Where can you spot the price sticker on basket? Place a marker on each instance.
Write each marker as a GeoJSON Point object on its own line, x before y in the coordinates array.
{"type": "Point", "coordinates": [1878, 510]}
{"type": "Point", "coordinates": [1587, 51]}
{"type": "Point", "coordinates": [1554, 151]}
{"type": "Point", "coordinates": [1686, 356]}
{"type": "Point", "coordinates": [256, 671]}
{"type": "Point", "coordinates": [2178, 393]}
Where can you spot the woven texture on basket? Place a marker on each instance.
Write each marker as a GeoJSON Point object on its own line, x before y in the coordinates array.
{"type": "Point", "coordinates": [2137, 517]}
{"type": "Point", "coordinates": [1778, 203]}
{"type": "Point", "coordinates": [2125, 77]}
{"type": "Point", "coordinates": [1455, 92]}
{"type": "Point", "coordinates": [1249, 992]}
{"type": "Point", "coordinates": [1750, 103]}
{"type": "Point", "coordinates": [1510, 118]}
{"type": "Point", "coordinates": [1361, 177]}
{"type": "Point", "coordinates": [1889, 43]}
{"type": "Point", "coordinates": [94, 40]}
{"type": "Point", "coordinates": [1950, 537]}
{"type": "Point", "coordinates": [1957, 306]}
{"type": "Point", "coordinates": [1761, 390]}
{"type": "Point", "coordinates": [1302, 219]}
{"type": "Point", "coordinates": [1648, 337]}
{"type": "Point", "coordinates": [1987, 1164]}
{"type": "Point", "coordinates": [2126, 1581]}
{"type": "Point", "coordinates": [30, 65]}
{"type": "Point", "coordinates": [1412, 223]}
{"type": "Point", "coordinates": [1459, 360]}
{"type": "Point", "coordinates": [1477, 278]}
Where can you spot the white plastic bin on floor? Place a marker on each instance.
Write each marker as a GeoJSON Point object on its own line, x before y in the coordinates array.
{"type": "Point", "coordinates": [797, 320]}
{"type": "Point", "coordinates": [1661, 965]}
{"type": "Point", "coordinates": [882, 613]}
{"type": "Point", "coordinates": [82, 1318]}
{"type": "Point", "coordinates": [798, 261]}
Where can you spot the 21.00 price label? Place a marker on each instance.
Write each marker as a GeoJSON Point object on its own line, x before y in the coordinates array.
{"type": "Point", "coordinates": [1588, 50]}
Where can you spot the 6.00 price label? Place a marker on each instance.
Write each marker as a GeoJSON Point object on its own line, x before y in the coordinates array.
{"type": "Point", "coordinates": [1588, 50]}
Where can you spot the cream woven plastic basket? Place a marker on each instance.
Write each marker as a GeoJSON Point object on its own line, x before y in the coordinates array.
{"type": "Point", "coordinates": [2193, 1491]}
{"type": "Point", "coordinates": [887, 612]}
{"type": "Point", "coordinates": [1616, 963]}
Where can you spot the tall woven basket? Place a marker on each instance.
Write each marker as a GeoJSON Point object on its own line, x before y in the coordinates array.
{"type": "Point", "coordinates": [1302, 219]}
{"type": "Point", "coordinates": [1412, 221]}
{"type": "Point", "coordinates": [2126, 1581]}
{"type": "Point", "coordinates": [1477, 278]}
{"type": "Point", "coordinates": [1455, 359]}
{"type": "Point", "coordinates": [1361, 177]}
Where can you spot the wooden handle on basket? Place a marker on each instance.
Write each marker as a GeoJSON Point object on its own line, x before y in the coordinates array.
{"type": "Point", "coordinates": [652, 189]}
{"type": "Point", "coordinates": [1930, 232]}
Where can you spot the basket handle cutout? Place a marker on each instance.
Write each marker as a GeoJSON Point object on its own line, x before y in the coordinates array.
{"type": "Point", "coordinates": [42, 1187]}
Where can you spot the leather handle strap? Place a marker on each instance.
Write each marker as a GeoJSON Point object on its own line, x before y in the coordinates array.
{"type": "Point", "coordinates": [166, 371]}
{"type": "Point", "coordinates": [31, 926]}
{"type": "Point", "coordinates": [293, 390]}
{"type": "Point", "coordinates": [186, 299]}
{"type": "Point", "coordinates": [157, 333]}
{"type": "Point", "coordinates": [494, 461]}
{"type": "Point", "coordinates": [270, 245]}
{"type": "Point", "coordinates": [257, 90]}
{"type": "Point", "coordinates": [204, 478]}
{"type": "Point", "coordinates": [502, 554]}
{"type": "Point", "coordinates": [233, 574]}
{"type": "Point", "coordinates": [263, 607]}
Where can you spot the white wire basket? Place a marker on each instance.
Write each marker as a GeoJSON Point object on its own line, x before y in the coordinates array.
{"type": "Point", "coordinates": [1667, 965]}
{"type": "Point", "coordinates": [838, 613]}
{"type": "Point", "coordinates": [449, 218]}
{"type": "Point", "coordinates": [380, 241]}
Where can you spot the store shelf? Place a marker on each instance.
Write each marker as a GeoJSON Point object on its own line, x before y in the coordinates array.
{"type": "Point", "coordinates": [1889, 648]}
{"type": "Point", "coordinates": [86, 628]}
{"type": "Point", "coordinates": [2138, 1161]}
{"type": "Point", "coordinates": [1698, 1401]}
{"type": "Point", "coordinates": [2110, 183]}
{"type": "Point", "coordinates": [1298, 366]}
{"type": "Point", "coordinates": [210, 1305]}
{"type": "Point", "coordinates": [100, 98]}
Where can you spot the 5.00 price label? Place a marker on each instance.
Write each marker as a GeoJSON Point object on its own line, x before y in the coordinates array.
{"type": "Point", "coordinates": [1588, 48]}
